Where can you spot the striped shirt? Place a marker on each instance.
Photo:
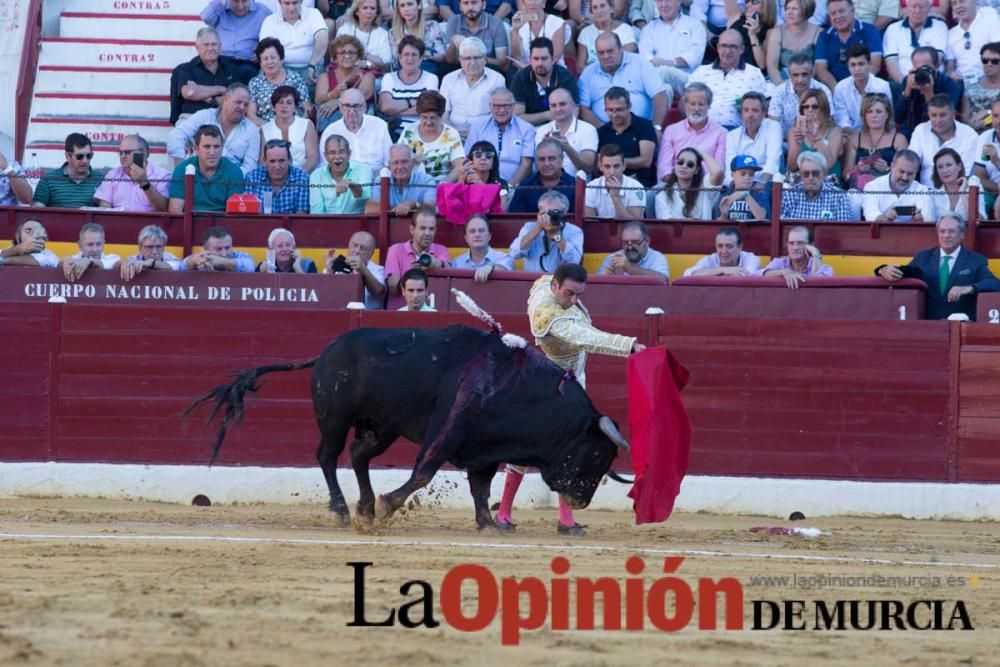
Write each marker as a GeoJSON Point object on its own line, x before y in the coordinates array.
{"type": "Point", "coordinates": [57, 189]}
{"type": "Point", "coordinates": [292, 197]}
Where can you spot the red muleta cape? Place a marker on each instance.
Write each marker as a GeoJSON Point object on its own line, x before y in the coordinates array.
{"type": "Point", "coordinates": [660, 432]}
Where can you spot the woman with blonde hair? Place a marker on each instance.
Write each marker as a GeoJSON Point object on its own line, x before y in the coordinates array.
{"type": "Point", "coordinates": [408, 19]}
{"type": "Point", "coordinates": [753, 22]}
{"type": "Point", "coordinates": [364, 22]}
{"type": "Point", "coordinates": [796, 35]}
{"type": "Point", "coordinates": [814, 130]}
{"type": "Point", "coordinates": [871, 149]}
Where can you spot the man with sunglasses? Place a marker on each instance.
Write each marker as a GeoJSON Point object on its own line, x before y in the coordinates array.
{"type": "Point", "coordinates": [287, 185]}
{"type": "Point", "coordinates": [635, 258]}
{"type": "Point", "coordinates": [814, 198]}
{"type": "Point", "coordinates": [74, 183]}
{"type": "Point", "coordinates": [844, 31]}
{"type": "Point", "coordinates": [974, 27]}
{"type": "Point", "coordinates": [136, 184]}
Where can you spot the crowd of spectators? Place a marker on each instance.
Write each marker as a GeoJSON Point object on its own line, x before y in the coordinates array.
{"type": "Point", "coordinates": [669, 109]}
{"type": "Point", "coordinates": [653, 85]}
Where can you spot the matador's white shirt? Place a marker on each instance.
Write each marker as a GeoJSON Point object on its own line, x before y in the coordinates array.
{"type": "Point", "coordinates": [566, 335]}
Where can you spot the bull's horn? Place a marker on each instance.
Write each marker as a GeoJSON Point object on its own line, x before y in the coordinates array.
{"type": "Point", "coordinates": [618, 478]}
{"type": "Point", "coordinates": [609, 429]}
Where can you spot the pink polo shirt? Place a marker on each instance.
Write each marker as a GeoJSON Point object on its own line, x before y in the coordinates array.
{"type": "Point", "coordinates": [680, 135]}
{"type": "Point", "coordinates": [400, 258]}
{"type": "Point", "coordinates": [122, 192]}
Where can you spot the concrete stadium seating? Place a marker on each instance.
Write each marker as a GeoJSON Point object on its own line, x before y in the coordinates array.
{"type": "Point", "coordinates": [107, 74]}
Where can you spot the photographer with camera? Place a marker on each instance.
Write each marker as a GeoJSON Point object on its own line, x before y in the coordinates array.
{"type": "Point", "coordinates": [360, 250]}
{"type": "Point", "coordinates": [920, 85]}
{"type": "Point", "coordinates": [549, 240]}
{"type": "Point", "coordinates": [420, 252]}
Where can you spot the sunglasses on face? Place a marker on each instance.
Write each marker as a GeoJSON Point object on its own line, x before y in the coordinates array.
{"type": "Point", "coordinates": [810, 173]}
{"type": "Point", "coordinates": [83, 156]}
{"type": "Point", "coordinates": [129, 151]}
{"type": "Point", "coordinates": [486, 155]}
{"type": "Point", "coordinates": [685, 163]}
{"type": "Point", "coordinates": [991, 61]}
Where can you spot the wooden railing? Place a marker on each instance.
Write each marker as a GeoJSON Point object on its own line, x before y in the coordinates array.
{"type": "Point", "coordinates": [26, 74]}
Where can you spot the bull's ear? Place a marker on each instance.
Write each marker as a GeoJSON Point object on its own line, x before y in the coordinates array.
{"type": "Point", "coordinates": [607, 426]}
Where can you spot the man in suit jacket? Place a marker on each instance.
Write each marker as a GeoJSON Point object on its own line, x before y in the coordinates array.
{"type": "Point", "coordinates": [950, 289]}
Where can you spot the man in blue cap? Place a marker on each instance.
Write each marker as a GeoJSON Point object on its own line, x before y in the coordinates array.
{"type": "Point", "coordinates": [744, 200]}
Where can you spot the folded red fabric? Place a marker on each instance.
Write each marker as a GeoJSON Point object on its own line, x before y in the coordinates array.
{"type": "Point", "coordinates": [660, 436]}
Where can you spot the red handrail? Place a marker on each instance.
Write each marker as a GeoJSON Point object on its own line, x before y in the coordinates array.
{"type": "Point", "coordinates": [26, 75]}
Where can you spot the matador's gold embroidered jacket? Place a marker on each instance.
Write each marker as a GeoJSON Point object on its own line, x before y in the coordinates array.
{"type": "Point", "coordinates": [566, 335]}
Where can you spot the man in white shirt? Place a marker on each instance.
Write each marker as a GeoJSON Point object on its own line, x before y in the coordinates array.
{"type": "Point", "coordinates": [848, 92]}
{"type": "Point", "coordinates": [943, 131]}
{"type": "Point", "coordinates": [614, 195]}
{"type": "Point", "coordinates": [91, 253]}
{"type": "Point", "coordinates": [919, 28]}
{"type": "Point", "coordinates": [729, 258]}
{"type": "Point", "coordinates": [304, 35]}
{"type": "Point", "coordinates": [974, 27]}
{"type": "Point", "coordinates": [360, 250]}
{"type": "Point", "coordinates": [674, 43]}
{"type": "Point", "coordinates": [988, 155]}
{"type": "Point", "coordinates": [467, 90]}
{"type": "Point", "coordinates": [578, 139]}
{"type": "Point", "coordinates": [757, 136]}
{"type": "Point", "coordinates": [898, 196]}
{"type": "Point", "coordinates": [368, 136]}
{"type": "Point", "coordinates": [729, 78]}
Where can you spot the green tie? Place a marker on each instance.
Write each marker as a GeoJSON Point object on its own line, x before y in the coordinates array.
{"type": "Point", "coordinates": [945, 272]}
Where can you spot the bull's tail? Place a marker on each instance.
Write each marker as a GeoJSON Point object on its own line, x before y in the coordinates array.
{"type": "Point", "coordinates": [228, 398]}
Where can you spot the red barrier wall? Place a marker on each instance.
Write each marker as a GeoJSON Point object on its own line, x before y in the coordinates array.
{"type": "Point", "coordinates": [768, 397]}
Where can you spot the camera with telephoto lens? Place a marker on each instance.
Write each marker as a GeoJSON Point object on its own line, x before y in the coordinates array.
{"type": "Point", "coordinates": [924, 75]}
{"type": "Point", "coordinates": [425, 260]}
{"type": "Point", "coordinates": [340, 265]}
{"type": "Point", "coordinates": [556, 217]}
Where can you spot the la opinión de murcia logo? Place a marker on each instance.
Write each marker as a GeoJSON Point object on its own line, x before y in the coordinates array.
{"type": "Point", "coordinates": [667, 604]}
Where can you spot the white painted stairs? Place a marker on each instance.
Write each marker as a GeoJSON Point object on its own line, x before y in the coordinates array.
{"type": "Point", "coordinates": [107, 74]}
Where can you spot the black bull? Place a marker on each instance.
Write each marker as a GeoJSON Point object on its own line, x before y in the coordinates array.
{"type": "Point", "coordinates": [461, 394]}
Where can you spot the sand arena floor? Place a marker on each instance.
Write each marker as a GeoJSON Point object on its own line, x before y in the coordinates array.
{"type": "Point", "coordinates": [96, 582]}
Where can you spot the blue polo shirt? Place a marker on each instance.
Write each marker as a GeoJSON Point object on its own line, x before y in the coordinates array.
{"type": "Point", "coordinates": [515, 142]}
{"type": "Point", "coordinates": [421, 189]}
{"type": "Point", "coordinates": [834, 52]}
{"type": "Point", "coordinates": [636, 75]}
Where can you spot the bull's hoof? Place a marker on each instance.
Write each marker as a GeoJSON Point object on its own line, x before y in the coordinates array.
{"type": "Point", "coordinates": [341, 519]}
{"type": "Point", "coordinates": [576, 530]}
{"type": "Point", "coordinates": [383, 510]}
{"type": "Point", "coordinates": [497, 527]}
{"type": "Point", "coordinates": [365, 513]}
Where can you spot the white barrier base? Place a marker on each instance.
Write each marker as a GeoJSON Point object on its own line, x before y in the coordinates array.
{"type": "Point", "coordinates": [728, 495]}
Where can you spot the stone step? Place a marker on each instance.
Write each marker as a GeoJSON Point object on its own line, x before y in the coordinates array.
{"type": "Point", "coordinates": [99, 104]}
{"type": "Point", "coordinates": [111, 80]}
{"type": "Point", "coordinates": [101, 129]}
{"type": "Point", "coordinates": [99, 53]}
{"type": "Point", "coordinates": [180, 27]}
{"type": "Point", "coordinates": [129, 7]}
